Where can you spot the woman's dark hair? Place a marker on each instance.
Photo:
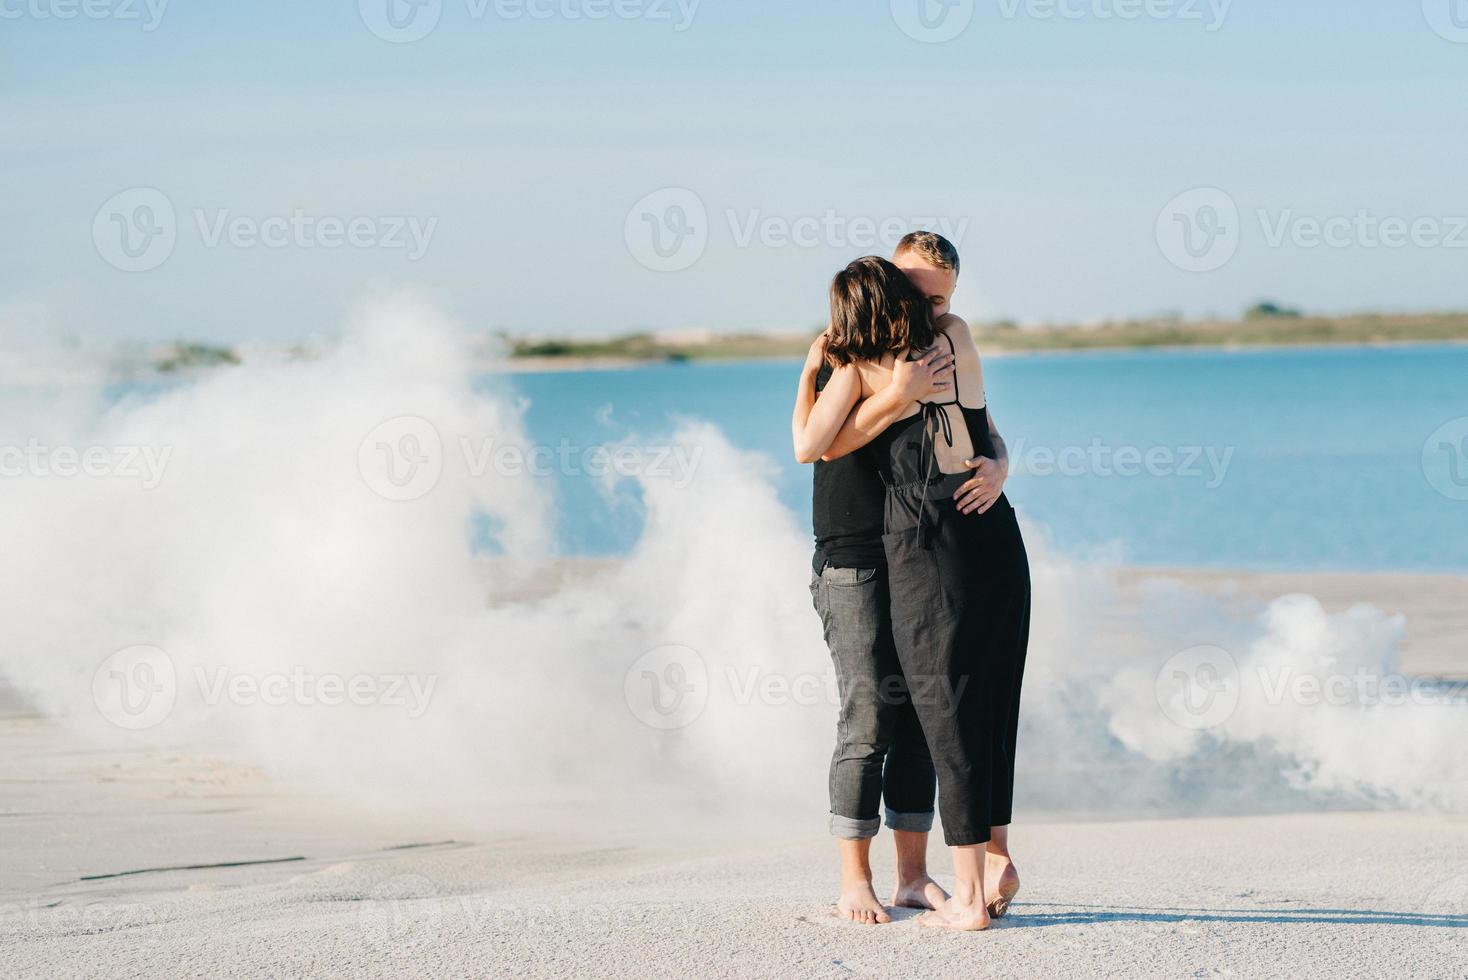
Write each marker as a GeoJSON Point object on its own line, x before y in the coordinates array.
{"type": "Point", "coordinates": [876, 310]}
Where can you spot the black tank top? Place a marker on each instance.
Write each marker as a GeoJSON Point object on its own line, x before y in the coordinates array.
{"type": "Point", "coordinates": [847, 509]}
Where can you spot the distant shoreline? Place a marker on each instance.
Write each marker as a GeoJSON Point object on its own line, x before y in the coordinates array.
{"type": "Point", "coordinates": [1256, 331]}
{"type": "Point", "coordinates": [502, 353]}
{"type": "Point", "coordinates": [572, 364]}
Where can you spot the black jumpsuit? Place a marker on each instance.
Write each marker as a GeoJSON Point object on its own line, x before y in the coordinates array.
{"type": "Point", "coordinates": [960, 592]}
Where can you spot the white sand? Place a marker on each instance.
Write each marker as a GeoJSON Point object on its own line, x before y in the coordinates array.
{"type": "Point", "coordinates": [1344, 894]}
{"type": "Point", "coordinates": [1297, 895]}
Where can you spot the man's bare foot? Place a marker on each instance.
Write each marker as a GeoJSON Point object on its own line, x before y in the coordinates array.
{"type": "Point", "coordinates": [919, 893]}
{"type": "Point", "coordinates": [999, 868]}
{"type": "Point", "coordinates": [858, 902]}
{"type": "Point", "coordinates": [954, 914]}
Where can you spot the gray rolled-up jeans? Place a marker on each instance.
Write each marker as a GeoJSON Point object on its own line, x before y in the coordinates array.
{"type": "Point", "coordinates": [880, 750]}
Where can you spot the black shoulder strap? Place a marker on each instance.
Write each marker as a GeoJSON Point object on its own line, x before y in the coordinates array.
{"type": "Point", "coordinates": [954, 352]}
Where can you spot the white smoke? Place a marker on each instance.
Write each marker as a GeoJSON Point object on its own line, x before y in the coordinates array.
{"type": "Point", "coordinates": [318, 521]}
{"type": "Point", "coordinates": [1320, 693]}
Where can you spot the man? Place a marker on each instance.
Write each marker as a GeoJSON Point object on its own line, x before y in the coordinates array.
{"type": "Point", "coordinates": [881, 754]}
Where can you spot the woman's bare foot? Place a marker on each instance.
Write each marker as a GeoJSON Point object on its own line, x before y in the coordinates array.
{"type": "Point", "coordinates": [858, 902]}
{"type": "Point", "coordinates": [999, 868]}
{"type": "Point", "coordinates": [921, 892]}
{"type": "Point", "coordinates": [953, 914]}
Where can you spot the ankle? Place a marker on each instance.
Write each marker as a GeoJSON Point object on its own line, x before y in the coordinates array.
{"type": "Point", "coordinates": [967, 894]}
{"type": "Point", "coordinates": [908, 875]}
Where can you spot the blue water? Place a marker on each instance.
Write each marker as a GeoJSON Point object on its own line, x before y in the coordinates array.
{"type": "Point", "coordinates": [1324, 450]}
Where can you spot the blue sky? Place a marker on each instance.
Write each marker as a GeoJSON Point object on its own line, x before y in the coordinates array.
{"type": "Point", "coordinates": [534, 155]}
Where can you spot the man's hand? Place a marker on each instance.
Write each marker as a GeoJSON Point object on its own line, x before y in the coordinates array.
{"type": "Point", "coordinates": [816, 356]}
{"type": "Point", "coordinates": [924, 379]}
{"type": "Point", "coordinates": [980, 492]}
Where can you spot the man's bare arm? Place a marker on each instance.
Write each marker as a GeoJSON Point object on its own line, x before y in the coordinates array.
{"type": "Point", "coordinates": [1001, 451]}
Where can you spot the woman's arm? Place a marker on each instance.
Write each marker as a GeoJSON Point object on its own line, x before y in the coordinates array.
{"type": "Point", "coordinates": [912, 381]}
{"type": "Point", "coordinates": [816, 420]}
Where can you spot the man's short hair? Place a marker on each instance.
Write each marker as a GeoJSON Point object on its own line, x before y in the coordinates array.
{"type": "Point", "coordinates": [932, 247]}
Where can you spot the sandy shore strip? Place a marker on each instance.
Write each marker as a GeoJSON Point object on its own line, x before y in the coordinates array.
{"type": "Point", "coordinates": [139, 861]}
{"type": "Point", "coordinates": [119, 863]}
{"type": "Point", "coordinates": [1435, 605]}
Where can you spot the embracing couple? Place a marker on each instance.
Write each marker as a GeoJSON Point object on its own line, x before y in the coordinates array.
{"type": "Point", "coordinates": [922, 584]}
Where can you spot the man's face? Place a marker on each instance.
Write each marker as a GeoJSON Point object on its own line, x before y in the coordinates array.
{"type": "Point", "coordinates": [936, 284]}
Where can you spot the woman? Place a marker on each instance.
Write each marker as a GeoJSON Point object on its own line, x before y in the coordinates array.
{"type": "Point", "coordinates": [960, 585]}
